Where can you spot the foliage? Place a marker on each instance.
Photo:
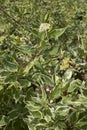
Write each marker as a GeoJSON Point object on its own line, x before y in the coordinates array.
{"type": "Point", "coordinates": [43, 65]}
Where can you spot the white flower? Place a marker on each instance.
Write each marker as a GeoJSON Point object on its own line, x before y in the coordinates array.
{"type": "Point", "coordinates": [44, 26]}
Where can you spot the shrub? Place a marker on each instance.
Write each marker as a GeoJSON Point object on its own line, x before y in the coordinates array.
{"type": "Point", "coordinates": [43, 65]}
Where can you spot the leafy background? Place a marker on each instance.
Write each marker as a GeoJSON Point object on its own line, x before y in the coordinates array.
{"type": "Point", "coordinates": [43, 80]}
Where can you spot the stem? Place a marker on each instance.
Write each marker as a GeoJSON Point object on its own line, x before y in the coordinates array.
{"type": "Point", "coordinates": [69, 126]}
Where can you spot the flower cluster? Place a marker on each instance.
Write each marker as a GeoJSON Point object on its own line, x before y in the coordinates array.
{"type": "Point", "coordinates": [44, 26]}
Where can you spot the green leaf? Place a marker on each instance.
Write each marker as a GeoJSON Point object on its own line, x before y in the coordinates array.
{"type": "Point", "coordinates": [55, 93]}
{"type": "Point", "coordinates": [65, 85]}
{"type": "Point", "coordinates": [82, 124]}
{"type": "Point", "coordinates": [44, 97]}
{"type": "Point", "coordinates": [13, 114]}
{"type": "Point", "coordinates": [35, 32]}
{"type": "Point", "coordinates": [75, 84]}
{"type": "Point", "coordinates": [1, 87]}
{"type": "Point", "coordinates": [24, 83]}
{"type": "Point", "coordinates": [26, 49]}
{"type": "Point", "coordinates": [54, 50]}
{"type": "Point", "coordinates": [36, 114]}
{"type": "Point", "coordinates": [10, 66]}
{"type": "Point", "coordinates": [68, 74]}
{"type": "Point", "coordinates": [3, 121]}
{"type": "Point", "coordinates": [39, 126]}
{"type": "Point", "coordinates": [29, 123]}
{"type": "Point", "coordinates": [56, 33]}
{"type": "Point", "coordinates": [16, 124]}
{"type": "Point", "coordinates": [42, 44]}
{"type": "Point", "coordinates": [74, 117]}
{"type": "Point", "coordinates": [29, 66]}
{"type": "Point", "coordinates": [47, 79]}
{"type": "Point", "coordinates": [47, 118]}
{"type": "Point", "coordinates": [11, 78]}
{"type": "Point", "coordinates": [31, 106]}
